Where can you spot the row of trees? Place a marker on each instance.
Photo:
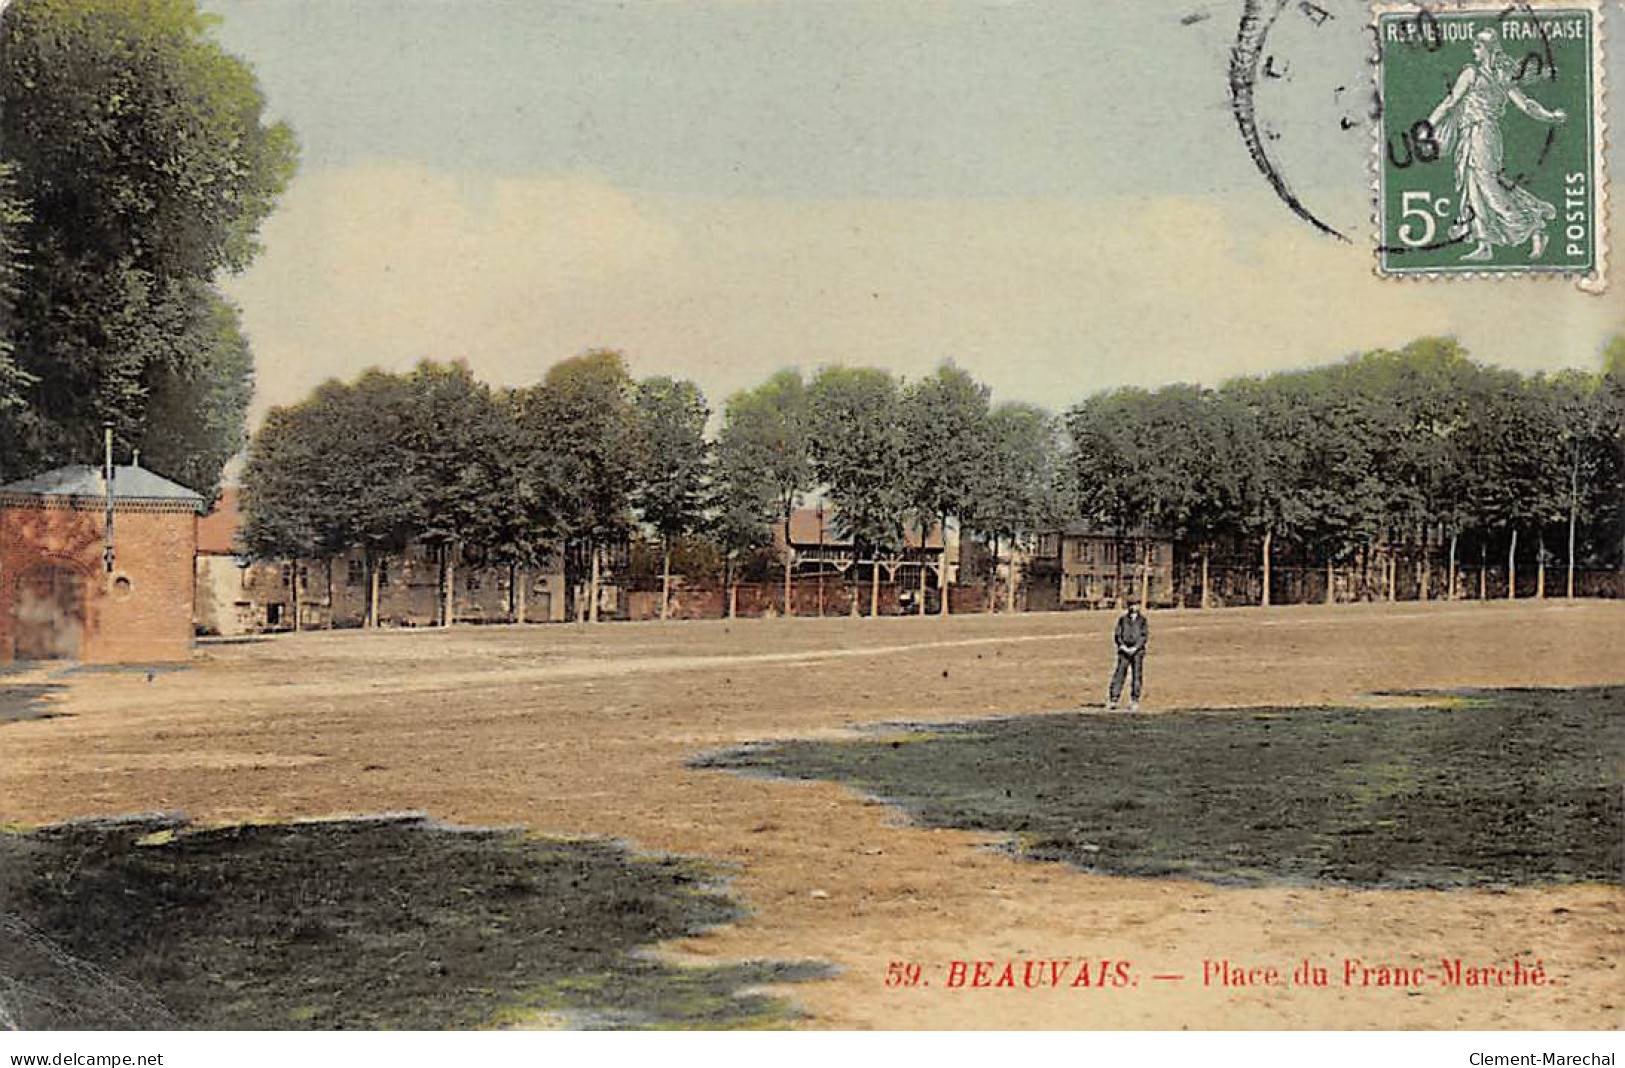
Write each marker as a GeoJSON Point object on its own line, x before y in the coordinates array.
{"type": "Point", "coordinates": [588, 456]}
{"type": "Point", "coordinates": [136, 169]}
{"type": "Point", "coordinates": [1411, 448]}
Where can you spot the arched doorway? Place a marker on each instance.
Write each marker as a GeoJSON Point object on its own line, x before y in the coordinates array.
{"type": "Point", "coordinates": [49, 610]}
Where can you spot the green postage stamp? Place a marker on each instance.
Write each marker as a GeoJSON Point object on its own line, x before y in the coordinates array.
{"type": "Point", "coordinates": [1491, 140]}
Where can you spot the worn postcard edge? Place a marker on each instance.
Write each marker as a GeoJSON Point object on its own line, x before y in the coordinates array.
{"type": "Point", "coordinates": [1593, 280]}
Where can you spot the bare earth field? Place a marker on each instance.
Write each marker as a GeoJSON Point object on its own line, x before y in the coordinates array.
{"type": "Point", "coordinates": [587, 731]}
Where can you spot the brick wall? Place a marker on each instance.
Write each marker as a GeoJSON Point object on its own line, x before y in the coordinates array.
{"type": "Point", "coordinates": [57, 599]}
{"type": "Point", "coordinates": [259, 597]}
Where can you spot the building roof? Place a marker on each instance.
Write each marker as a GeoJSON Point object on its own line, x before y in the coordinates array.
{"type": "Point", "coordinates": [131, 484]}
{"type": "Point", "coordinates": [819, 526]}
{"type": "Point", "coordinates": [217, 531]}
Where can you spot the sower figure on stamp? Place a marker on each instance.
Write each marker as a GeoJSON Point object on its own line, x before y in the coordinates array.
{"type": "Point", "coordinates": [1495, 211]}
{"type": "Point", "coordinates": [1131, 636]}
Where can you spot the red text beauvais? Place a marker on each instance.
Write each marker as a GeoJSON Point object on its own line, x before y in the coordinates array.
{"type": "Point", "coordinates": [1067, 972]}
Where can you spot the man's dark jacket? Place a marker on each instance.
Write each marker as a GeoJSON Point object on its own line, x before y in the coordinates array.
{"type": "Point", "coordinates": [1132, 632]}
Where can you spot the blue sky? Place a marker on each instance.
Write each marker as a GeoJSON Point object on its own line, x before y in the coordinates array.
{"type": "Point", "coordinates": [1054, 195]}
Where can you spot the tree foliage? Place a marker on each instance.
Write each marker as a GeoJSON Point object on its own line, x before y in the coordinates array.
{"type": "Point", "coordinates": [673, 457]}
{"type": "Point", "coordinates": [1402, 448]}
{"type": "Point", "coordinates": [945, 440]}
{"type": "Point", "coordinates": [142, 157]}
{"type": "Point", "coordinates": [856, 443]}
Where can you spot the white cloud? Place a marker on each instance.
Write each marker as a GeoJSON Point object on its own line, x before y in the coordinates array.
{"type": "Point", "coordinates": [1046, 300]}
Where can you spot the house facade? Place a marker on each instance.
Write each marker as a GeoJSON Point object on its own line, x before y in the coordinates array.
{"type": "Point", "coordinates": [817, 548]}
{"type": "Point", "coordinates": [236, 595]}
{"type": "Point", "coordinates": [1086, 566]}
{"type": "Point", "coordinates": [95, 572]}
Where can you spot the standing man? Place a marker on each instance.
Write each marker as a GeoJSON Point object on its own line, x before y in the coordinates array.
{"type": "Point", "coordinates": [1131, 635]}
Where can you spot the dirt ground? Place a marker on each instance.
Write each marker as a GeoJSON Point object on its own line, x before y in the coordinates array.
{"type": "Point", "coordinates": [580, 730]}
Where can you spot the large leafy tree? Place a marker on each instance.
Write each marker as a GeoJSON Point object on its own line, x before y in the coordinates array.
{"type": "Point", "coordinates": [1609, 400]}
{"type": "Point", "coordinates": [13, 215]}
{"type": "Point", "coordinates": [1184, 469]}
{"type": "Point", "coordinates": [765, 452]}
{"type": "Point", "coordinates": [856, 443]}
{"type": "Point", "coordinates": [196, 403]}
{"type": "Point", "coordinates": [1014, 479]}
{"type": "Point", "coordinates": [945, 437]}
{"type": "Point", "coordinates": [743, 505]}
{"type": "Point", "coordinates": [453, 440]}
{"type": "Point", "coordinates": [582, 421]}
{"type": "Point", "coordinates": [142, 155]}
{"type": "Point", "coordinates": [330, 474]}
{"type": "Point", "coordinates": [669, 490]}
{"type": "Point", "coordinates": [1111, 458]}
{"type": "Point", "coordinates": [1272, 418]}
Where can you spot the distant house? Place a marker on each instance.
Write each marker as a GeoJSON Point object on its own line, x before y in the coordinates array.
{"type": "Point", "coordinates": [236, 595]}
{"type": "Point", "coordinates": [82, 581]}
{"type": "Point", "coordinates": [1087, 566]}
{"type": "Point", "coordinates": [818, 547]}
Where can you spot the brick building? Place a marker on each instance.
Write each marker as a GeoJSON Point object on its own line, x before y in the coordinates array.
{"type": "Point", "coordinates": [1085, 566]}
{"type": "Point", "coordinates": [63, 596]}
{"type": "Point", "coordinates": [817, 547]}
{"type": "Point", "coordinates": [236, 595]}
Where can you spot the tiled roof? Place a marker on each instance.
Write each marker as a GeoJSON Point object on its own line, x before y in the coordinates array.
{"type": "Point", "coordinates": [130, 483]}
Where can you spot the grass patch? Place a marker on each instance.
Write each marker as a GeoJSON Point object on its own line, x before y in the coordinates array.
{"type": "Point", "coordinates": [22, 701]}
{"type": "Point", "coordinates": [384, 923]}
{"type": "Point", "coordinates": [1487, 788]}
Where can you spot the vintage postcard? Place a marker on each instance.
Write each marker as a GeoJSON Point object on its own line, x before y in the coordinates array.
{"type": "Point", "coordinates": [843, 516]}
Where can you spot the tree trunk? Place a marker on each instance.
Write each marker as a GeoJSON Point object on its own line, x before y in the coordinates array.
{"type": "Point", "coordinates": [1331, 583]}
{"type": "Point", "coordinates": [1424, 577]}
{"type": "Point", "coordinates": [1010, 582]}
{"type": "Point", "coordinates": [1483, 572]}
{"type": "Point", "coordinates": [1207, 596]}
{"type": "Point", "coordinates": [1574, 514]}
{"type": "Point", "coordinates": [665, 578]}
{"type": "Point", "coordinates": [853, 587]}
{"type": "Point", "coordinates": [293, 582]}
{"type": "Point", "coordinates": [820, 592]}
{"type": "Point", "coordinates": [728, 585]}
{"type": "Point", "coordinates": [942, 571]}
{"type": "Point", "coordinates": [1145, 576]}
{"type": "Point", "coordinates": [1512, 568]}
{"type": "Point", "coordinates": [372, 590]}
{"type": "Point", "coordinates": [1393, 574]}
{"type": "Point", "coordinates": [448, 593]}
{"type": "Point", "coordinates": [1450, 594]}
{"type": "Point", "coordinates": [1269, 536]}
{"type": "Point", "coordinates": [789, 555]}
{"type": "Point", "coordinates": [993, 577]}
{"type": "Point", "coordinates": [921, 606]}
{"type": "Point", "coordinates": [874, 586]}
{"type": "Point", "coordinates": [1540, 566]}
{"type": "Point", "coordinates": [331, 615]}
{"type": "Point", "coordinates": [592, 585]}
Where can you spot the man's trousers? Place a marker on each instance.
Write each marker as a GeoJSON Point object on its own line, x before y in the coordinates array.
{"type": "Point", "coordinates": [1127, 662]}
